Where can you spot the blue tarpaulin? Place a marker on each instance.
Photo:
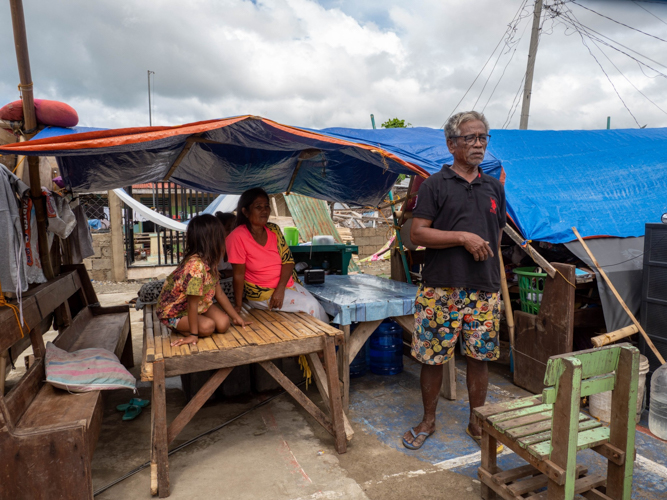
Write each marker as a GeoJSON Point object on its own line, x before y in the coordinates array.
{"type": "Point", "coordinates": [604, 182]}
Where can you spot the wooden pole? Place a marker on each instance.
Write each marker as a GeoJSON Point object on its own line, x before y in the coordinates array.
{"type": "Point", "coordinates": [618, 297]}
{"type": "Point", "coordinates": [532, 53]}
{"type": "Point", "coordinates": [29, 128]}
{"type": "Point", "coordinates": [539, 260]}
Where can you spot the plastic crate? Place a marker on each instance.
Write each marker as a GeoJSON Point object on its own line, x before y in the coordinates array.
{"type": "Point", "coordinates": [531, 288]}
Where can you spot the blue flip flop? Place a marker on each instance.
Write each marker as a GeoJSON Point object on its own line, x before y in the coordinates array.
{"type": "Point", "coordinates": [411, 446]}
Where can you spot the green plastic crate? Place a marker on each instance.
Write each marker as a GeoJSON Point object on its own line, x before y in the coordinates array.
{"type": "Point", "coordinates": [531, 288]}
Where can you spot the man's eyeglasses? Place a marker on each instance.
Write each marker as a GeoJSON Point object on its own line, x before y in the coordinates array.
{"type": "Point", "coordinates": [472, 139]}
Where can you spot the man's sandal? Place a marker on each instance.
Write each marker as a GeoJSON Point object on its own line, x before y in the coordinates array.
{"type": "Point", "coordinates": [478, 440]}
{"type": "Point", "coordinates": [411, 446]}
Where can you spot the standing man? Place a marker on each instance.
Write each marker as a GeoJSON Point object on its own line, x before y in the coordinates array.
{"type": "Point", "coordinates": [459, 218]}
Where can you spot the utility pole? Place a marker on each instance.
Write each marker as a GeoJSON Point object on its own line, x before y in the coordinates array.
{"type": "Point", "coordinates": [532, 53]}
{"type": "Point", "coordinates": [29, 129]}
{"type": "Point", "coordinates": [150, 106]}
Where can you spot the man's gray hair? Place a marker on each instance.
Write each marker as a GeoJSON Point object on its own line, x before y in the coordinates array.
{"type": "Point", "coordinates": [453, 126]}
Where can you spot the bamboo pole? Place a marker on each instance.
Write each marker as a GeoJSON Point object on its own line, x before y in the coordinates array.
{"type": "Point", "coordinates": [608, 338]}
{"type": "Point", "coordinates": [509, 315]}
{"type": "Point", "coordinates": [29, 128]}
{"type": "Point", "coordinates": [618, 297]}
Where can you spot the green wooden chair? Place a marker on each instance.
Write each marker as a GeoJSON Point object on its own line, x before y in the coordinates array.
{"type": "Point", "coordinates": [548, 430]}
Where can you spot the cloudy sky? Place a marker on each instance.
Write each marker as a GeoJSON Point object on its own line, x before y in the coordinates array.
{"type": "Point", "coordinates": [333, 62]}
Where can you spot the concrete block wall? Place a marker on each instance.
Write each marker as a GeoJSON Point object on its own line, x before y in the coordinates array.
{"type": "Point", "coordinates": [100, 265]}
{"type": "Point", "coordinates": [370, 240]}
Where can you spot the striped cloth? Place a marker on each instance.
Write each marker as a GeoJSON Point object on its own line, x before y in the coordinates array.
{"type": "Point", "coordinates": [86, 370]}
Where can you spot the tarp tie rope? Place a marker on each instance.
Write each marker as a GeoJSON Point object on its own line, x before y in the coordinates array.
{"type": "Point", "coordinates": [525, 245]}
{"type": "Point", "coordinates": [303, 362]}
{"type": "Point", "coordinates": [15, 309]}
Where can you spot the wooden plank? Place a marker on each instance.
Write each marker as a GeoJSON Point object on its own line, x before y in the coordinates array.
{"type": "Point", "coordinates": [610, 452]}
{"type": "Point", "coordinates": [295, 325]}
{"type": "Point", "coordinates": [544, 465]}
{"type": "Point", "coordinates": [549, 333]}
{"type": "Point", "coordinates": [270, 323]}
{"type": "Point", "coordinates": [241, 355]}
{"type": "Point", "coordinates": [256, 330]}
{"type": "Point", "coordinates": [210, 343]}
{"type": "Point", "coordinates": [269, 335]}
{"type": "Point", "coordinates": [149, 337]}
{"type": "Point", "coordinates": [490, 489]}
{"type": "Point", "coordinates": [537, 482]}
{"type": "Point", "coordinates": [299, 396]}
{"type": "Point", "coordinates": [237, 336]}
{"type": "Point", "coordinates": [343, 360]}
{"type": "Point", "coordinates": [510, 475]}
{"type": "Point", "coordinates": [521, 412]}
{"type": "Point", "coordinates": [521, 421]}
{"type": "Point", "coordinates": [581, 486]}
{"type": "Point", "coordinates": [202, 345]}
{"type": "Point", "coordinates": [359, 337]}
{"type": "Point", "coordinates": [290, 327]}
{"type": "Point", "coordinates": [159, 443]}
{"type": "Point", "coordinates": [584, 425]}
{"type": "Point", "coordinates": [335, 401]}
{"type": "Point", "coordinates": [563, 445]}
{"type": "Point", "coordinates": [594, 363]}
{"type": "Point", "coordinates": [622, 425]}
{"type": "Point", "coordinates": [195, 404]}
{"type": "Point", "coordinates": [285, 330]}
{"type": "Point", "coordinates": [489, 449]}
{"type": "Point", "coordinates": [528, 430]}
{"type": "Point", "coordinates": [320, 377]}
{"type": "Point", "coordinates": [491, 409]}
{"type": "Point", "coordinates": [220, 341]}
{"type": "Point", "coordinates": [164, 344]}
{"type": "Point", "coordinates": [317, 325]}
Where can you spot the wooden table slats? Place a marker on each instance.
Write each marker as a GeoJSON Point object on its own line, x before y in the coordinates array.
{"type": "Point", "coordinates": [267, 327]}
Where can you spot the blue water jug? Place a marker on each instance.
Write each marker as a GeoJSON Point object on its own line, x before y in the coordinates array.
{"type": "Point", "coordinates": [386, 349]}
{"type": "Point", "coordinates": [359, 364]}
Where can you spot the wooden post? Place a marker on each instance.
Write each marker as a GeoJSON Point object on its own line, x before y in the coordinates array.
{"type": "Point", "coordinates": [159, 444]}
{"type": "Point", "coordinates": [117, 250]}
{"type": "Point", "coordinates": [29, 128]}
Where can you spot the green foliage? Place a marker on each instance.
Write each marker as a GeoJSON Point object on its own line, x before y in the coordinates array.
{"type": "Point", "coordinates": [395, 123]}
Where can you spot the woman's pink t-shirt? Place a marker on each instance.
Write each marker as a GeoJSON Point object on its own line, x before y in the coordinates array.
{"type": "Point", "coordinates": [262, 263]}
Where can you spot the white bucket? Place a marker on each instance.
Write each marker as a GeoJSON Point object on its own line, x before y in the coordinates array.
{"type": "Point", "coordinates": [600, 404]}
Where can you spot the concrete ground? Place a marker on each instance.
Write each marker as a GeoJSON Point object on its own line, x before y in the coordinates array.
{"type": "Point", "coordinates": [277, 451]}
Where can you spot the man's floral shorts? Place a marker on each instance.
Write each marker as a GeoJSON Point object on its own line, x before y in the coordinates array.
{"type": "Point", "coordinates": [441, 314]}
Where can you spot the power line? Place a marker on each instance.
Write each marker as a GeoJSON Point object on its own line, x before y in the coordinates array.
{"type": "Point", "coordinates": [508, 43]}
{"type": "Point", "coordinates": [583, 40]}
{"type": "Point", "coordinates": [618, 22]}
{"type": "Point", "coordinates": [644, 8]}
{"type": "Point", "coordinates": [487, 61]}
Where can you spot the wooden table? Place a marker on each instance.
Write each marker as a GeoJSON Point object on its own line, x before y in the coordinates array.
{"type": "Point", "coordinates": [368, 300]}
{"type": "Point", "coordinates": [272, 335]}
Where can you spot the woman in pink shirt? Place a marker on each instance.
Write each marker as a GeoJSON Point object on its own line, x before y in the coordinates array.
{"type": "Point", "coordinates": [262, 262]}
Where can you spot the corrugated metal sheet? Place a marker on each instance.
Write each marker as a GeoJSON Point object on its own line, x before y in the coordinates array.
{"type": "Point", "coordinates": [312, 217]}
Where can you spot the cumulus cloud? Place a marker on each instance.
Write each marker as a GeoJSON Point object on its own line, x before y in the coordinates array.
{"type": "Point", "coordinates": [333, 62]}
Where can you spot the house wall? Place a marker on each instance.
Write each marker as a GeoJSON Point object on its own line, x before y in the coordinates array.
{"type": "Point", "coordinates": [100, 265]}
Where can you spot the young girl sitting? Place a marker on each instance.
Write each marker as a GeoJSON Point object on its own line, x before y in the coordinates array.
{"type": "Point", "coordinates": [186, 301]}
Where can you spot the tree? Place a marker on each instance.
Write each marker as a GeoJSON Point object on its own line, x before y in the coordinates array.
{"type": "Point", "coordinates": [395, 123]}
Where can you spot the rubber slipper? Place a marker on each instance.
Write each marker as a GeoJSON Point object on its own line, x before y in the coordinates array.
{"type": "Point", "coordinates": [132, 412]}
{"type": "Point", "coordinates": [411, 446]}
{"type": "Point", "coordinates": [478, 440]}
{"type": "Point", "coordinates": [141, 403]}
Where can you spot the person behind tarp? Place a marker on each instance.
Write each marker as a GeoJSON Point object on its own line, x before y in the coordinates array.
{"type": "Point", "coordinates": [186, 301]}
{"type": "Point", "coordinates": [459, 218]}
{"type": "Point", "coordinates": [262, 261]}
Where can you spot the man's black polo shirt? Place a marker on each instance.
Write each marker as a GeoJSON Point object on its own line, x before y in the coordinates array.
{"type": "Point", "coordinates": [453, 204]}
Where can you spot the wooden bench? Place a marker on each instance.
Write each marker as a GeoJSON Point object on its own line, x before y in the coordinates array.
{"type": "Point", "coordinates": [47, 435]}
{"type": "Point", "coordinates": [272, 335]}
{"type": "Point", "coordinates": [548, 430]}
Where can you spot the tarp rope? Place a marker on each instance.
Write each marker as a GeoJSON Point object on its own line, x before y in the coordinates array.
{"type": "Point", "coordinates": [303, 362]}
{"type": "Point", "coordinates": [15, 309]}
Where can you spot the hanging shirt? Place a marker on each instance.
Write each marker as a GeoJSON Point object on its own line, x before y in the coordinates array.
{"type": "Point", "coordinates": [12, 256]}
